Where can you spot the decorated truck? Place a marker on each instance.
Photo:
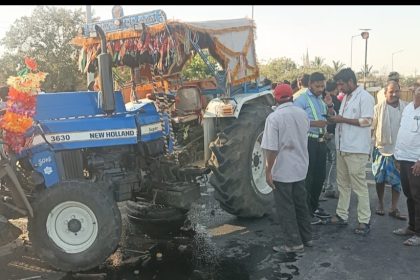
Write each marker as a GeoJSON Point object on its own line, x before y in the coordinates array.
{"type": "Point", "coordinates": [77, 154]}
{"type": "Point", "coordinates": [227, 130]}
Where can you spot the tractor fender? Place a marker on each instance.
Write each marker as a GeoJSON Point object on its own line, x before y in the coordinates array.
{"type": "Point", "coordinates": [229, 108]}
{"type": "Point", "coordinates": [218, 107]}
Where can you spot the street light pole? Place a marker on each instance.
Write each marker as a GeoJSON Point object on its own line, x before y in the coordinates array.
{"type": "Point", "coordinates": [351, 50]}
{"type": "Point", "coordinates": [392, 57]}
{"type": "Point", "coordinates": [365, 35]}
{"type": "Point", "coordinates": [88, 14]}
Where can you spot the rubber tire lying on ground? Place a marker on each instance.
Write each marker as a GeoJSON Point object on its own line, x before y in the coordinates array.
{"type": "Point", "coordinates": [89, 196]}
{"type": "Point", "coordinates": [155, 220]}
{"type": "Point", "coordinates": [231, 163]}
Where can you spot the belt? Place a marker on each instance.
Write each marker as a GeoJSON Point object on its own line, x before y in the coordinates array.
{"type": "Point", "coordinates": [317, 137]}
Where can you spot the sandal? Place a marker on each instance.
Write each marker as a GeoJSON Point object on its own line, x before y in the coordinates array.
{"type": "Point", "coordinates": [362, 230]}
{"type": "Point", "coordinates": [397, 215]}
{"type": "Point", "coordinates": [335, 220]}
{"type": "Point", "coordinates": [403, 232]}
{"type": "Point", "coordinates": [380, 212]}
{"type": "Point", "coordinates": [413, 241]}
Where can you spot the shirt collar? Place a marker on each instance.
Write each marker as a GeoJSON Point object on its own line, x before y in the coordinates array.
{"type": "Point", "coordinates": [310, 93]}
{"type": "Point", "coordinates": [284, 105]}
{"type": "Point", "coordinates": [355, 92]}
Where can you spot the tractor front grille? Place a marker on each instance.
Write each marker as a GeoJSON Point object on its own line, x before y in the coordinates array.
{"type": "Point", "coordinates": [70, 164]}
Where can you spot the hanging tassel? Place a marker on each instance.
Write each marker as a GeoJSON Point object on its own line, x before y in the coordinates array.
{"type": "Point", "coordinates": [122, 50]}
{"type": "Point", "coordinates": [109, 47]}
{"type": "Point", "coordinates": [88, 60]}
{"type": "Point", "coordinates": [187, 41]}
{"type": "Point", "coordinates": [81, 62]}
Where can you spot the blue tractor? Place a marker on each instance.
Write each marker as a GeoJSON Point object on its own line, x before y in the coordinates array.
{"type": "Point", "coordinates": [225, 130]}
{"type": "Point", "coordinates": [90, 150]}
{"type": "Point", "coordinates": [87, 153]}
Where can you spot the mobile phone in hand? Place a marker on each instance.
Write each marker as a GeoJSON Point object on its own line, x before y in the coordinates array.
{"type": "Point", "coordinates": [326, 116]}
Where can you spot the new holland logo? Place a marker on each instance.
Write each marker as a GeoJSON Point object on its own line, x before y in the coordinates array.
{"type": "Point", "coordinates": [48, 170]}
{"type": "Point", "coordinates": [86, 136]}
{"type": "Point", "coordinates": [97, 134]}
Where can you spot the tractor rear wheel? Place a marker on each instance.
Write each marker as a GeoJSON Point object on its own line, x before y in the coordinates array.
{"type": "Point", "coordinates": [238, 165]}
{"type": "Point", "coordinates": [76, 225]}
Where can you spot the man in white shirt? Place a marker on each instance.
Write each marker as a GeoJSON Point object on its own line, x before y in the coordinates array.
{"type": "Point", "coordinates": [285, 143]}
{"type": "Point", "coordinates": [386, 122]}
{"type": "Point", "coordinates": [392, 76]}
{"type": "Point", "coordinates": [353, 142]}
{"type": "Point", "coordinates": [407, 152]}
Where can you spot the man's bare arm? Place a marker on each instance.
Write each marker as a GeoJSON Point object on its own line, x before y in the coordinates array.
{"type": "Point", "coordinates": [356, 122]}
{"type": "Point", "coordinates": [270, 156]}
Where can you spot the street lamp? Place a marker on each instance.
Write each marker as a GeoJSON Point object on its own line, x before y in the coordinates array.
{"type": "Point", "coordinates": [351, 50]}
{"type": "Point", "coordinates": [365, 35]}
{"type": "Point", "coordinates": [392, 64]}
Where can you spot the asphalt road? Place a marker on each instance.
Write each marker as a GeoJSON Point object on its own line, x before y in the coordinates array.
{"type": "Point", "coordinates": [222, 246]}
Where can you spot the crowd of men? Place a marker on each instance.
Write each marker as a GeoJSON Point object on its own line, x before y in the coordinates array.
{"type": "Point", "coordinates": [320, 138]}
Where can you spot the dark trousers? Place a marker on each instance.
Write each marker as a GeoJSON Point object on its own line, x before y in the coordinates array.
{"type": "Point", "coordinates": [316, 172]}
{"type": "Point", "coordinates": [292, 212]}
{"type": "Point", "coordinates": [411, 188]}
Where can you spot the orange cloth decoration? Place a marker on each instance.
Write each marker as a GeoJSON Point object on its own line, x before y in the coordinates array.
{"type": "Point", "coordinates": [21, 105]}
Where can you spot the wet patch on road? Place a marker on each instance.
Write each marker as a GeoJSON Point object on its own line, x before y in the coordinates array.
{"type": "Point", "coordinates": [193, 255]}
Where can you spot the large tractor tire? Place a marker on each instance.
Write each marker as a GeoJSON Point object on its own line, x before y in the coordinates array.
{"type": "Point", "coordinates": [76, 225]}
{"type": "Point", "coordinates": [155, 220]}
{"type": "Point", "coordinates": [238, 165]}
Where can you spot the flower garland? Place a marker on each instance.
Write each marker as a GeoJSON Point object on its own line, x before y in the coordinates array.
{"type": "Point", "coordinates": [21, 105]}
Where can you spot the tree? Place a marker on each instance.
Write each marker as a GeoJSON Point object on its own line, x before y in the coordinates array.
{"type": "Point", "coordinates": [197, 69]}
{"type": "Point", "coordinates": [318, 62]}
{"type": "Point", "coordinates": [366, 70]}
{"type": "Point", "coordinates": [279, 69]}
{"type": "Point", "coordinates": [337, 65]}
{"type": "Point", "coordinates": [46, 36]}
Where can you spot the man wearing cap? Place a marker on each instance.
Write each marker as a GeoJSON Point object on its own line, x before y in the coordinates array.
{"type": "Point", "coordinates": [380, 95]}
{"type": "Point", "coordinates": [316, 111]}
{"type": "Point", "coordinates": [285, 146]}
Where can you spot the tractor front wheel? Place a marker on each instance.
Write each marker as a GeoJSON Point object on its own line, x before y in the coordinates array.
{"type": "Point", "coordinates": [76, 225]}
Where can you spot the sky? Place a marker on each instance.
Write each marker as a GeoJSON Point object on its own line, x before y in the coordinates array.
{"type": "Point", "coordinates": [291, 31]}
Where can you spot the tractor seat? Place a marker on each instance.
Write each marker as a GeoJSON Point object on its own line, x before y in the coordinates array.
{"type": "Point", "coordinates": [188, 101]}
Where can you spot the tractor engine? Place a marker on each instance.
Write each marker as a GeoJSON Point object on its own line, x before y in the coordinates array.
{"type": "Point", "coordinates": [117, 167]}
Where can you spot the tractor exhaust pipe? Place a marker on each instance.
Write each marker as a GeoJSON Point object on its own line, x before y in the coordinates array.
{"type": "Point", "coordinates": [107, 100]}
